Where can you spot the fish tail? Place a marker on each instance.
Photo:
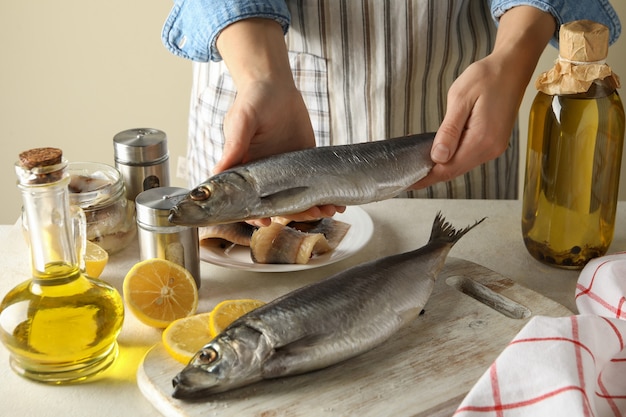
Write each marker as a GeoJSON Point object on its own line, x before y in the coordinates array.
{"type": "Point", "coordinates": [444, 232]}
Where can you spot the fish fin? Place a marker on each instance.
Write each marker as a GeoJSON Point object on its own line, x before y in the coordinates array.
{"type": "Point", "coordinates": [294, 358]}
{"type": "Point", "coordinates": [294, 193]}
{"type": "Point", "coordinates": [302, 344]}
{"type": "Point", "coordinates": [444, 232]}
{"type": "Point", "coordinates": [410, 314]}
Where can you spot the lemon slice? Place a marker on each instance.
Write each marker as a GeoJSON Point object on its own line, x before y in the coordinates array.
{"type": "Point", "coordinates": [158, 291]}
{"type": "Point", "coordinates": [96, 259]}
{"type": "Point", "coordinates": [228, 311]}
{"type": "Point", "coordinates": [184, 337]}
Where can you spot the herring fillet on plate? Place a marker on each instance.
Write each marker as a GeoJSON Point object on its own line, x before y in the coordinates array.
{"type": "Point", "coordinates": [323, 323]}
{"type": "Point", "coordinates": [282, 242]}
{"type": "Point", "coordinates": [292, 182]}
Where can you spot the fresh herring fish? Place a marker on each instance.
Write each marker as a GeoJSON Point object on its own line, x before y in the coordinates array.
{"type": "Point", "coordinates": [292, 182]}
{"type": "Point", "coordinates": [299, 332]}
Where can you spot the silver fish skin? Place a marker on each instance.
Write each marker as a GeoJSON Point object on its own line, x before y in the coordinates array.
{"type": "Point", "coordinates": [292, 182]}
{"type": "Point", "coordinates": [323, 323]}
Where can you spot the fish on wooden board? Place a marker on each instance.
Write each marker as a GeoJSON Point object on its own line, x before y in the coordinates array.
{"type": "Point", "coordinates": [293, 182]}
{"type": "Point", "coordinates": [300, 331]}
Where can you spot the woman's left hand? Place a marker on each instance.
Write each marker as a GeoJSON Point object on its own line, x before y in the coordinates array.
{"type": "Point", "coordinates": [484, 101]}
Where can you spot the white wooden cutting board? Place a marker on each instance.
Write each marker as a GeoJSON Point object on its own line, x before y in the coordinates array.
{"type": "Point", "coordinates": [425, 369]}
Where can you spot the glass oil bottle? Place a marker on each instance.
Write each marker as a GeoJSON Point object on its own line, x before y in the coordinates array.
{"type": "Point", "coordinates": [575, 140]}
{"type": "Point", "coordinates": [61, 326]}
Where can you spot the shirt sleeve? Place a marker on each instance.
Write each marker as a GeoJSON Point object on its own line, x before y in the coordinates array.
{"type": "Point", "coordinates": [565, 11]}
{"type": "Point", "coordinates": [192, 27]}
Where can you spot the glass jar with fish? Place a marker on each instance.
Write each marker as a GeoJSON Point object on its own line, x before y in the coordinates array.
{"type": "Point", "coordinates": [575, 141]}
{"type": "Point", "coordinates": [100, 191]}
{"type": "Point", "coordinates": [61, 325]}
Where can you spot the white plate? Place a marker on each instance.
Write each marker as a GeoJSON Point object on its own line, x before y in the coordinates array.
{"type": "Point", "coordinates": [238, 257]}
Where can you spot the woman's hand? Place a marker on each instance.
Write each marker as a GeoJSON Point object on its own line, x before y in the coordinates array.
{"type": "Point", "coordinates": [268, 116]}
{"type": "Point", "coordinates": [484, 101]}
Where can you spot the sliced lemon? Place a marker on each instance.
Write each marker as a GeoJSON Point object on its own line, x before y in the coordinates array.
{"type": "Point", "coordinates": [184, 337]}
{"type": "Point", "coordinates": [228, 311]}
{"type": "Point", "coordinates": [96, 259]}
{"type": "Point", "coordinates": [158, 291]}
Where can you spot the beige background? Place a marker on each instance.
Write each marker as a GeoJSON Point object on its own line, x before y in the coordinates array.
{"type": "Point", "coordinates": [76, 72]}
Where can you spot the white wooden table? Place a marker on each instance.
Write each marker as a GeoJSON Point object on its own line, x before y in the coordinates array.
{"type": "Point", "coordinates": [399, 225]}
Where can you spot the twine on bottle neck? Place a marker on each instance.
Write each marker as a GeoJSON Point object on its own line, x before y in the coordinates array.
{"type": "Point", "coordinates": [600, 62]}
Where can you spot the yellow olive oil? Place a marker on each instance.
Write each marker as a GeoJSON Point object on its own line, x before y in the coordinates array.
{"type": "Point", "coordinates": [572, 175]}
{"type": "Point", "coordinates": [61, 328]}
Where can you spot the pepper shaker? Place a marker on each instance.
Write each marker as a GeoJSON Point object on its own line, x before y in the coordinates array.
{"type": "Point", "coordinates": [141, 156]}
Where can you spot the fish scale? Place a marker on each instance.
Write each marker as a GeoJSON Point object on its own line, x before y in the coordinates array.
{"type": "Point", "coordinates": [323, 323]}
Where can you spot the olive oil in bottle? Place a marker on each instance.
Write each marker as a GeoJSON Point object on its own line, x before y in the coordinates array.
{"type": "Point", "coordinates": [61, 326]}
{"type": "Point", "coordinates": [575, 140]}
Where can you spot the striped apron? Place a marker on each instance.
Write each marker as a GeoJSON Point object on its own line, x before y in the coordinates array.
{"type": "Point", "coordinates": [368, 70]}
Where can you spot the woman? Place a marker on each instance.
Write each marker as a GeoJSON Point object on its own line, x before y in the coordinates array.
{"type": "Point", "coordinates": [353, 71]}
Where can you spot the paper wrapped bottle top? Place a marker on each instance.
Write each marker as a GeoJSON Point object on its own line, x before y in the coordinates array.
{"type": "Point", "coordinates": [583, 48]}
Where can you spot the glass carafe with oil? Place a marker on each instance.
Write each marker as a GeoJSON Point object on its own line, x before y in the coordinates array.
{"type": "Point", "coordinates": [575, 140]}
{"type": "Point", "coordinates": [60, 326]}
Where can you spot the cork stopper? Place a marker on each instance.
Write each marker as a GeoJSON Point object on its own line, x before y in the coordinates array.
{"type": "Point", "coordinates": [40, 166]}
{"type": "Point", "coordinates": [40, 157]}
{"type": "Point", "coordinates": [584, 41]}
{"type": "Point", "coordinates": [583, 47]}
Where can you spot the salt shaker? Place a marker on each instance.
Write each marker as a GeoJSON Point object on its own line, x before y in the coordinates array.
{"type": "Point", "coordinates": [158, 238]}
{"type": "Point", "coordinates": [141, 156]}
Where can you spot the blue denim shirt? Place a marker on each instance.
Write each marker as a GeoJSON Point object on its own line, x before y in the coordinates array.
{"type": "Point", "coordinates": [192, 27]}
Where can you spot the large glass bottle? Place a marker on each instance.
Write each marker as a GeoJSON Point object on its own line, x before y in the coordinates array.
{"type": "Point", "coordinates": [61, 326]}
{"type": "Point", "coordinates": [575, 140]}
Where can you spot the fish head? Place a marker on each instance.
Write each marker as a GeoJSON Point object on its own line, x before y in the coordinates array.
{"type": "Point", "coordinates": [223, 198]}
{"type": "Point", "coordinates": [228, 361]}
{"type": "Point", "coordinates": [207, 371]}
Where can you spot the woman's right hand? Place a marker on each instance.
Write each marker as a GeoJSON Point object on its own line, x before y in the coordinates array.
{"type": "Point", "coordinates": [266, 118]}
{"type": "Point", "coordinates": [268, 115]}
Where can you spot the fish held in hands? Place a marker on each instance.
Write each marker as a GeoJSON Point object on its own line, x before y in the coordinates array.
{"type": "Point", "coordinates": [299, 332]}
{"type": "Point", "coordinates": [293, 182]}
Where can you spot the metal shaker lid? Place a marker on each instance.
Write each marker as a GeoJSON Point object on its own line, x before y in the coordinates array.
{"type": "Point", "coordinates": [137, 146]}
{"type": "Point", "coordinates": [153, 205]}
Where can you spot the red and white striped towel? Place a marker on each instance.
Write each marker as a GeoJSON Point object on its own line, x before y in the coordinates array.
{"type": "Point", "coordinates": [570, 366]}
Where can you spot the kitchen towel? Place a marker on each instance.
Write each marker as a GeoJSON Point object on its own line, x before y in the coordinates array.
{"type": "Point", "coordinates": [569, 366]}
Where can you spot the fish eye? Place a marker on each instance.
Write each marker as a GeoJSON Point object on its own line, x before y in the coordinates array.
{"type": "Point", "coordinates": [200, 193]}
{"type": "Point", "coordinates": [207, 356]}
